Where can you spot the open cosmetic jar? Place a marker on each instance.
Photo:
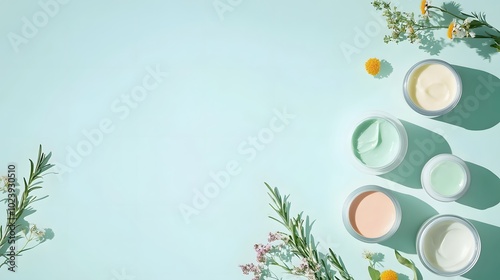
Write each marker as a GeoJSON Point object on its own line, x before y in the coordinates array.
{"type": "Point", "coordinates": [448, 245]}
{"type": "Point", "coordinates": [432, 87]}
{"type": "Point", "coordinates": [378, 143]}
{"type": "Point", "coordinates": [371, 214]}
{"type": "Point", "coordinates": [445, 177]}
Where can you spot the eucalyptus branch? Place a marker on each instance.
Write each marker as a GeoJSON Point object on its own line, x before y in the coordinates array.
{"type": "Point", "coordinates": [301, 241]}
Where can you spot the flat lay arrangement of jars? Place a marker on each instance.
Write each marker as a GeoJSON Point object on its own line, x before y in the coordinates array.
{"type": "Point", "coordinates": [447, 244]}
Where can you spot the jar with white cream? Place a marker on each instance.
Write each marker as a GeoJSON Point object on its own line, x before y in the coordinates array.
{"type": "Point", "coordinates": [432, 87]}
{"type": "Point", "coordinates": [448, 245]}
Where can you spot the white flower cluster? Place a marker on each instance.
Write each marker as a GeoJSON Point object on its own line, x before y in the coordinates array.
{"type": "Point", "coordinates": [4, 184]}
{"type": "Point", "coordinates": [463, 30]}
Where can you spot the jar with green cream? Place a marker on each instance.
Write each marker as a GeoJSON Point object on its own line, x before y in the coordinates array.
{"type": "Point", "coordinates": [379, 143]}
{"type": "Point", "coordinates": [445, 177]}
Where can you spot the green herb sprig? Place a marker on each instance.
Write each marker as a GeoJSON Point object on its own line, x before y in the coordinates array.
{"type": "Point", "coordinates": [302, 241]}
{"type": "Point", "coordinates": [377, 275]}
{"type": "Point", "coordinates": [23, 202]}
{"type": "Point", "coordinates": [285, 249]}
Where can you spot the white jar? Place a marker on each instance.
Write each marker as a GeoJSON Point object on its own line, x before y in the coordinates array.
{"type": "Point", "coordinates": [378, 143]}
{"type": "Point", "coordinates": [448, 245]}
{"type": "Point", "coordinates": [432, 87]}
{"type": "Point", "coordinates": [371, 214]}
{"type": "Point", "coordinates": [445, 177]}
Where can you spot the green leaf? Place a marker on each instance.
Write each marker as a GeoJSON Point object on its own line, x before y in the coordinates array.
{"type": "Point", "coordinates": [374, 274]}
{"type": "Point", "coordinates": [407, 263]}
{"type": "Point", "coordinates": [45, 160]}
{"type": "Point", "coordinates": [32, 168]}
{"type": "Point", "coordinates": [467, 15]}
{"type": "Point", "coordinates": [496, 46]}
{"type": "Point", "coordinates": [273, 218]}
{"type": "Point", "coordinates": [475, 24]}
{"type": "Point", "coordinates": [326, 272]}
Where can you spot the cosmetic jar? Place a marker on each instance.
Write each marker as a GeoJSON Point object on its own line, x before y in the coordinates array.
{"type": "Point", "coordinates": [378, 143]}
{"type": "Point", "coordinates": [432, 87]}
{"type": "Point", "coordinates": [371, 214]}
{"type": "Point", "coordinates": [448, 245]}
{"type": "Point", "coordinates": [445, 177]}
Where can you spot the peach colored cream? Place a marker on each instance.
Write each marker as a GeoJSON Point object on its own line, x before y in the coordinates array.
{"type": "Point", "coordinates": [372, 214]}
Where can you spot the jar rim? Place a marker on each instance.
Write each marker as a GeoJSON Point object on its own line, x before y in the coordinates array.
{"type": "Point", "coordinates": [427, 225]}
{"type": "Point", "coordinates": [402, 149]}
{"type": "Point", "coordinates": [426, 177]}
{"type": "Point", "coordinates": [425, 112]}
{"type": "Point", "coordinates": [347, 207]}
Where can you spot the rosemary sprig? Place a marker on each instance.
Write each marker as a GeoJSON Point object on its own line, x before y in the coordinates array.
{"type": "Point", "coordinates": [302, 241]}
{"type": "Point", "coordinates": [37, 171]}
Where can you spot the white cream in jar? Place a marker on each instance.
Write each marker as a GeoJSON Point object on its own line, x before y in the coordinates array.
{"type": "Point", "coordinates": [448, 245]}
{"type": "Point", "coordinates": [432, 87]}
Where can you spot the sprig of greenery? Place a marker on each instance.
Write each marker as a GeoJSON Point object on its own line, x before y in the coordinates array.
{"type": "Point", "coordinates": [377, 275]}
{"type": "Point", "coordinates": [24, 201]}
{"type": "Point", "coordinates": [404, 25]}
{"type": "Point", "coordinates": [481, 20]}
{"type": "Point", "coordinates": [406, 262]}
{"type": "Point", "coordinates": [302, 241]}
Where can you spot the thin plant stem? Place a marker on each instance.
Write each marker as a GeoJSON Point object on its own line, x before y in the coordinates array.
{"type": "Point", "coordinates": [446, 12]}
{"type": "Point", "coordinates": [23, 201]}
{"type": "Point", "coordinates": [301, 241]}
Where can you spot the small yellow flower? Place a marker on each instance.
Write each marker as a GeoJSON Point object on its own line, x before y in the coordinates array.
{"type": "Point", "coordinates": [450, 29]}
{"type": "Point", "coordinates": [372, 66]}
{"type": "Point", "coordinates": [388, 275]}
{"type": "Point", "coordinates": [423, 7]}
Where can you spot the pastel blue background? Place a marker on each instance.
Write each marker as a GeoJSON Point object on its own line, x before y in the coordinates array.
{"type": "Point", "coordinates": [115, 211]}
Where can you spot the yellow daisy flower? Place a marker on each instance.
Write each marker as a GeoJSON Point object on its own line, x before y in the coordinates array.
{"type": "Point", "coordinates": [388, 275]}
{"type": "Point", "coordinates": [424, 6]}
{"type": "Point", "coordinates": [372, 66]}
{"type": "Point", "coordinates": [451, 27]}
